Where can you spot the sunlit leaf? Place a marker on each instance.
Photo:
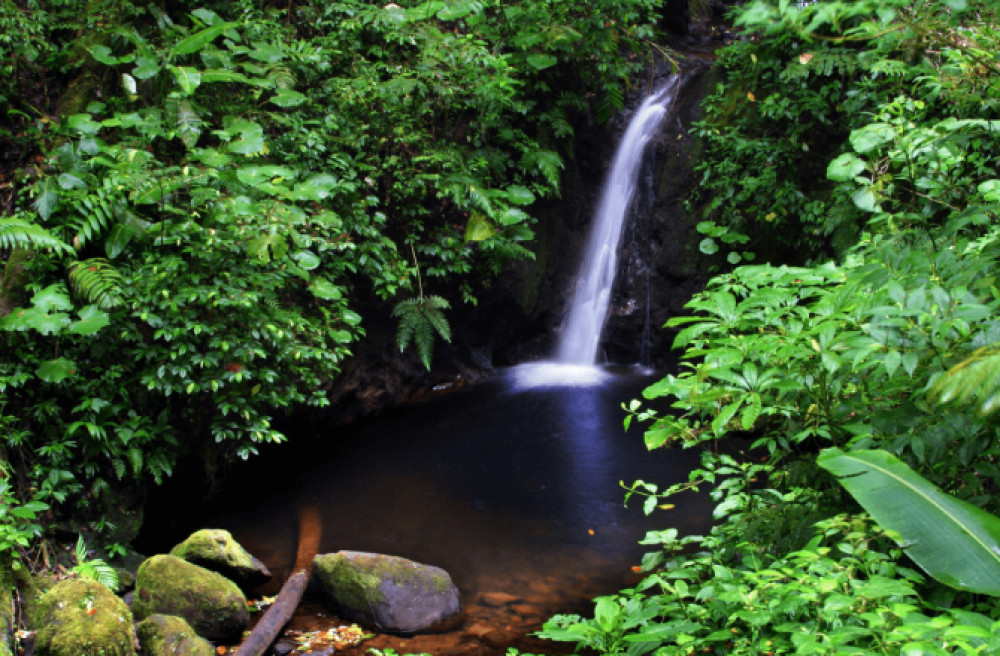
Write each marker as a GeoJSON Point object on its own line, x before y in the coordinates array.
{"type": "Point", "coordinates": [54, 371]}
{"type": "Point", "coordinates": [950, 539]}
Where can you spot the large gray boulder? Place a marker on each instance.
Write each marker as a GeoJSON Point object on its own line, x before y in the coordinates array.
{"type": "Point", "coordinates": [212, 604]}
{"type": "Point", "coordinates": [391, 594]}
{"type": "Point", "coordinates": [215, 549]}
{"type": "Point", "coordinates": [169, 635]}
{"type": "Point", "coordinates": [80, 617]}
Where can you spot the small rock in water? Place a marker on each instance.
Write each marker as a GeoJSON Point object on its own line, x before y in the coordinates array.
{"type": "Point", "coordinates": [497, 599]}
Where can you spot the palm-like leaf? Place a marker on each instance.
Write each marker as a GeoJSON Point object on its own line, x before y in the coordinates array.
{"type": "Point", "coordinates": [950, 539]}
{"type": "Point", "coordinates": [973, 380]}
{"type": "Point", "coordinates": [17, 233]}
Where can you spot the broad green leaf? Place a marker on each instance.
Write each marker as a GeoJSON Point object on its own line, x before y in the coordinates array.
{"type": "Point", "coordinates": [268, 178]}
{"type": "Point", "coordinates": [53, 371]}
{"type": "Point", "coordinates": [455, 11]}
{"type": "Point", "coordinates": [48, 198]}
{"type": "Point", "coordinates": [119, 237]}
{"type": "Point", "coordinates": [845, 167]}
{"type": "Point", "coordinates": [221, 75]}
{"type": "Point", "coordinates": [188, 79]}
{"type": "Point", "coordinates": [865, 199]}
{"type": "Point", "coordinates": [512, 216]}
{"type": "Point", "coordinates": [324, 289]}
{"type": "Point", "coordinates": [199, 40]}
{"type": "Point", "coordinates": [316, 188]}
{"type": "Point", "coordinates": [145, 67]}
{"type": "Point", "coordinates": [104, 56]}
{"type": "Point", "coordinates": [478, 228]}
{"type": "Point", "coordinates": [708, 246]}
{"type": "Point", "coordinates": [53, 297]}
{"type": "Point", "coordinates": [70, 181]}
{"type": "Point", "coordinates": [288, 98]}
{"type": "Point", "coordinates": [425, 10]}
{"type": "Point", "coordinates": [251, 139]}
{"type": "Point", "coordinates": [990, 189]}
{"type": "Point", "coordinates": [306, 259]}
{"type": "Point", "coordinates": [950, 539]}
{"type": "Point", "coordinates": [871, 136]}
{"type": "Point", "coordinates": [541, 61]}
{"type": "Point", "coordinates": [518, 195]}
{"type": "Point", "coordinates": [92, 319]}
{"type": "Point", "coordinates": [83, 123]}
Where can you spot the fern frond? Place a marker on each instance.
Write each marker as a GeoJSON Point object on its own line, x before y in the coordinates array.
{"type": "Point", "coordinates": [973, 380]}
{"type": "Point", "coordinates": [419, 320]}
{"type": "Point", "coordinates": [281, 77]}
{"type": "Point", "coordinates": [96, 215]}
{"type": "Point", "coordinates": [98, 281]}
{"type": "Point", "coordinates": [18, 233]}
{"type": "Point", "coordinates": [608, 104]}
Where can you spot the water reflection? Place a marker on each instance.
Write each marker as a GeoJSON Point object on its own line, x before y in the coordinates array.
{"type": "Point", "coordinates": [501, 486]}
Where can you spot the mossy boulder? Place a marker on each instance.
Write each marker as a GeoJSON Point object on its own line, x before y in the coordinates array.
{"type": "Point", "coordinates": [169, 635]}
{"type": "Point", "coordinates": [212, 604]}
{"type": "Point", "coordinates": [6, 606]}
{"type": "Point", "coordinates": [389, 593]}
{"type": "Point", "coordinates": [215, 549]}
{"type": "Point", "coordinates": [80, 617]}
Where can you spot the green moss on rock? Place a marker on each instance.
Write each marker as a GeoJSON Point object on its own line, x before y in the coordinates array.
{"type": "Point", "coordinates": [80, 617]}
{"type": "Point", "coordinates": [169, 635]}
{"type": "Point", "coordinates": [6, 606]}
{"type": "Point", "coordinates": [212, 604]}
{"type": "Point", "coordinates": [350, 578]}
{"type": "Point", "coordinates": [390, 593]}
{"type": "Point", "coordinates": [215, 549]}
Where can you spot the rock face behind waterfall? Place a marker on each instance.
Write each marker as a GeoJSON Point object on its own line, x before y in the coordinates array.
{"type": "Point", "coordinates": [391, 594]}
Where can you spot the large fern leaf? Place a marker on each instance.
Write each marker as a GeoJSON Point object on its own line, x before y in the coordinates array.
{"type": "Point", "coordinates": [419, 320]}
{"type": "Point", "coordinates": [18, 233]}
{"type": "Point", "coordinates": [98, 281]}
{"type": "Point", "coordinates": [975, 380]}
{"type": "Point", "coordinates": [95, 216]}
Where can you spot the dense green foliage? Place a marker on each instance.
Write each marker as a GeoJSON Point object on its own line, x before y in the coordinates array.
{"type": "Point", "coordinates": [205, 198]}
{"type": "Point", "coordinates": [865, 132]}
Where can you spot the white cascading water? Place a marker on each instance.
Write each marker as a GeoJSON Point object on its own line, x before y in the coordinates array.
{"type": "Point", "coordinates": [579, 340]}
{"type": "Point", "coordinates": [581, 335]}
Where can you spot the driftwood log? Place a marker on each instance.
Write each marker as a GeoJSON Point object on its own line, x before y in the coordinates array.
{"type": "Point", "coordinates": [277, 616]}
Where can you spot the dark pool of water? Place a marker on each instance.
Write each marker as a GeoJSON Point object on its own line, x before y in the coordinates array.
{"type": "Point", "coordinates": [514, 491]}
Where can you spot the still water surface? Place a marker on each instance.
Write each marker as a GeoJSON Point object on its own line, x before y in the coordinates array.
{"type": "Point", "coordinates": [514, 491]}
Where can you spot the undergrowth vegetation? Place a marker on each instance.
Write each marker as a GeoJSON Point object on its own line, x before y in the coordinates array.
{"type": "Point", "coordinates": [200, 199]}
{"type": "Point", "coordinates": [852, 151]}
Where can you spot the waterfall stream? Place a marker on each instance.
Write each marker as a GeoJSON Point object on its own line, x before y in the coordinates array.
{"type": "Point", "coordinates": [579, 339]}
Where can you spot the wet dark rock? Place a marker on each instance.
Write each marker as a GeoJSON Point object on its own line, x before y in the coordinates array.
{"type": "Point", "coordinates": [216, 550]}
{"type": "Point", "coordinates": [390, 594]}
{"type": "Point", "coordinates": [283, 648]}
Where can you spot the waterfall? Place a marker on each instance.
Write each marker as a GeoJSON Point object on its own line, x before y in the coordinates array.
{"type": "Point", "coordinates": [581, 334]}
{"type": "Point", "coordinates": [579, 339]}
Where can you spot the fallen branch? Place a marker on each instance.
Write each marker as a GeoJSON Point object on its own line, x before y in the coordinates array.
{"type": "Point", "coordinates": [277, 616]}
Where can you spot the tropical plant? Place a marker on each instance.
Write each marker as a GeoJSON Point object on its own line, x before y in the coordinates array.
{"type": "Point", "coordinates": [863, 138]}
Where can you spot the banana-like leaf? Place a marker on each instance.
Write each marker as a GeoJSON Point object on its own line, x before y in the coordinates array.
{"type": "Point", "coordinates": [950, 539]}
